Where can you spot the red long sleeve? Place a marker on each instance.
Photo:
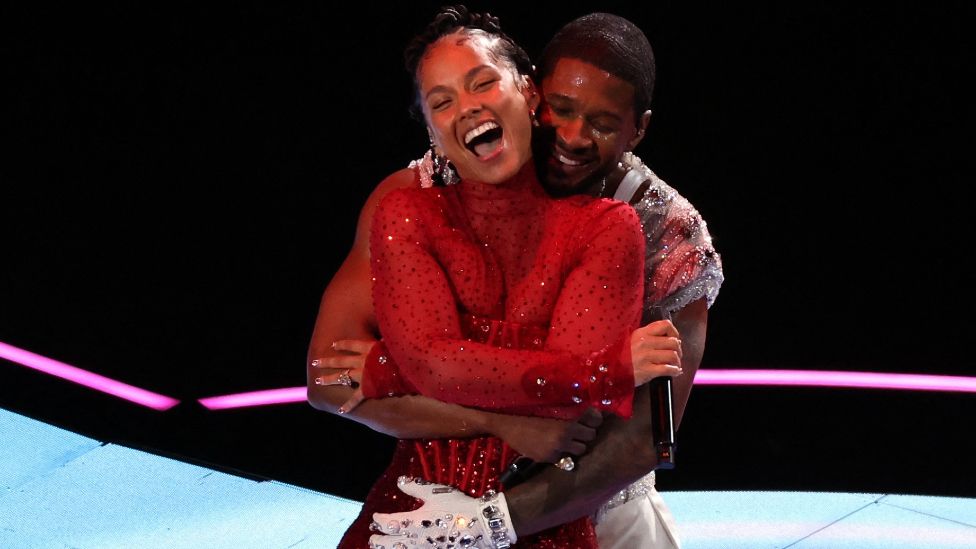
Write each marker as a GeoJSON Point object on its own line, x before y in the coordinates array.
{"type": "Point", "coordinates": [574, 266]}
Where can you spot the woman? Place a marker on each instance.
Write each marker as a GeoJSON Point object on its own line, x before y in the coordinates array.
{"type": "Point", "coordinates": [489, 293]}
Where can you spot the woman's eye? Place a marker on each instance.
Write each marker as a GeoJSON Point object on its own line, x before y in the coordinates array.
{"type": "Point", "coordinates": [440, 104]}
{"type": "Point", "coordinates": [483, 84]}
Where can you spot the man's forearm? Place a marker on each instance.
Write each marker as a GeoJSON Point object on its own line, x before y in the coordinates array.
{"type": "Point", "coordinates": [554, 497]}
{"type": "Point", "coordinates": [417, 416]}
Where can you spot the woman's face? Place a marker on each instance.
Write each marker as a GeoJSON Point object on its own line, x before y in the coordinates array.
{"type": "Point", "coordinates": [477, 109]}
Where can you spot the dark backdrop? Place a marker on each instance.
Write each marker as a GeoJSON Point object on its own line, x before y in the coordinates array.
{"type": "Point", "coordinates": [181, 181]}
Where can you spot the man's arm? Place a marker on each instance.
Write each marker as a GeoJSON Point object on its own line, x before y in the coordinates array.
{"type": "Point", "coordinates": [692, 323]}
{"type": "Point", "coordinates": [554, 497]}
{"type": "Point", "coordinates": [623, 453]}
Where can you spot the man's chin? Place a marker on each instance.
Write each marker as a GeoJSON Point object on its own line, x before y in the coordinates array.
{"type": "Point", "coordinates": [560, 183]}
{"type": "Point", "coordinates": [561, 187]}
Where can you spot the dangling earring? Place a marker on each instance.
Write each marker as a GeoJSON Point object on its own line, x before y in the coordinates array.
{"type": "Point", "coordinates": [443, 172]}
{"type": "Point", "coordinates": [535, 121]}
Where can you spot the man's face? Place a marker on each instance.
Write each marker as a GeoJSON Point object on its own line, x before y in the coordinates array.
{"type": "Point", "coordinates": [588, 122]}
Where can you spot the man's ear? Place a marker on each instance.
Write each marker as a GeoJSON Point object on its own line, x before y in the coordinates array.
{"type": "Point", "coordinates": [645, 120]}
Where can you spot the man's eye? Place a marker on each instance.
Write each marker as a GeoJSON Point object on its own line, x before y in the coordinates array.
{"type": "Point", "coordinates": [603, 126]}
{"type": "Point", "coordinates": [561, 111]}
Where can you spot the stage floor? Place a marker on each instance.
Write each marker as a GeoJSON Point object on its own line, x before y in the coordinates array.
{"type": "Point", "coordinates": [59, 489]}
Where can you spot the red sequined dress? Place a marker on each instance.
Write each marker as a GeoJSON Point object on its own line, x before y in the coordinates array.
{"type": "Point", "coordinates": [501, 298]}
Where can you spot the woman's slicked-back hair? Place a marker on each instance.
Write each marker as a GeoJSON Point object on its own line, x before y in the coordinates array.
{"type": "Point", "coordinates": [451, 19]}
{"type": "Point", "coordinates": [611, 43]}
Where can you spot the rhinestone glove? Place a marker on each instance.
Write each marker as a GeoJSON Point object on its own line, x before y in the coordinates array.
{"type": "Point", "coordinates": [448, 518]}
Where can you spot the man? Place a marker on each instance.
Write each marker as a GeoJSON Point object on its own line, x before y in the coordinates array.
{"type": "Point", "coordinates": [597, 77]}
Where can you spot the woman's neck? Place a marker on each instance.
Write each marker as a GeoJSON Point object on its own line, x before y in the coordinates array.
{"type": "Point", "coordinates": [521, 192]}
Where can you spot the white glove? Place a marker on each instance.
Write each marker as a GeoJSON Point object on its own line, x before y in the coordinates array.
{"type": "Point", "coordinates": [448, 518]}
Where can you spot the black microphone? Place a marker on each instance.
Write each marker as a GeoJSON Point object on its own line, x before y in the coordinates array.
{"type": "Point", "coordinates": [662, 406]}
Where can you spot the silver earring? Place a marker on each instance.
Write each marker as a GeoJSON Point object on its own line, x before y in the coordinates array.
{"type": "Point", "coordinates": [444, 172]}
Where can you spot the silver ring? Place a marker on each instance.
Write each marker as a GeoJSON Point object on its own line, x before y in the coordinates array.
{"type": "Point", "coordinates": [345, 379]}
{"type": "Point", "coordinates": [566, 464]}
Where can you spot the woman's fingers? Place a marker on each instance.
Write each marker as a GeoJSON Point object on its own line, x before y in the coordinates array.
{"type": "Point", "coordinates": [648, 371]}
{"type": "Point", "coordinates": [339, 362]}
{"type": "Point", "coordinates": [355, 400]}
{"type": "Point", "coordinates": [657, 328]}
{"type": "Point", "coordinates": [358, 346]}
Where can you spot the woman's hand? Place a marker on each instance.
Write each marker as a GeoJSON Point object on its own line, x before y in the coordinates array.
{"type": "Point", "coordinates": [655, 351]}
{"type": "Point", "coordinates": [345, 369]}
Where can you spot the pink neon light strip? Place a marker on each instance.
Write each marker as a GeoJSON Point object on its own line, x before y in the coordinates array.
{"type": "Point", "coordinates": [821, 378]}
{"type": "Point", "coordinates": [86, 378]}
{"type": "Point", "coordinates": [794, 378]}
{"type": "Point", "coordinates": [256, 398]}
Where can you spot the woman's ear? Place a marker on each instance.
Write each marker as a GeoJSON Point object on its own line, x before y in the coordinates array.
{"type": "Point", "coordinates": [530, 92]}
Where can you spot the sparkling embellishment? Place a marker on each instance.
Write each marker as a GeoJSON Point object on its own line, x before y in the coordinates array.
{"type": "Point", "coordinates": [540, 381]}
{"type": "Point", "coordinates": [533, 305]}
{"type": "Point", "coordinates": [605, 402]}
{"type": "Point", "coordinates": [382, 359]}
{"type": "Point", "coordinates": [635, 490]}
{"type": "Point", "coordinates": [603, 367]}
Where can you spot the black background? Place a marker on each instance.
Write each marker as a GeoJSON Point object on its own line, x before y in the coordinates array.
{"type": "Point", "coordinates": [180, 182]}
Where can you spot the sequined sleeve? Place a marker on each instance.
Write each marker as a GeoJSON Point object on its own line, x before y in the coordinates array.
{"type": "Point", "coordinates": [681, 263]}
{"type": "Point", "coordinates": [580, 365]}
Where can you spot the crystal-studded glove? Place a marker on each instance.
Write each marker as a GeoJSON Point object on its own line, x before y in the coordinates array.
{"type": "Point", "coordinates": [448, 518]}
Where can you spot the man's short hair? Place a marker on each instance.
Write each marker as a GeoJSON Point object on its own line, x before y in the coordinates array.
{"type": "Point", "coordinates": [613, 44]}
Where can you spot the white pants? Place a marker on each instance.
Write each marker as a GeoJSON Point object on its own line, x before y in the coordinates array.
{"type": "Point", "coordinates": [643, 522]}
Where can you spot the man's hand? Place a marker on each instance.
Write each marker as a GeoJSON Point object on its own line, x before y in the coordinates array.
{"type": "Point", "coordinates": [345, 369]}
{"type": "Point", "coordinates": [546, 440]}
{"type": "Point", "coordinates": [448, 518]}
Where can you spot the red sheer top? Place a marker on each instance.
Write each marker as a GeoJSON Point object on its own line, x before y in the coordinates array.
{"type": "Point", "coordinates": [502, 298]}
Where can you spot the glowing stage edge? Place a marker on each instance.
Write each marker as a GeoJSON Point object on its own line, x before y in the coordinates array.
{"type": "Point", "coordinates": [86, 378]}
{"type": "Point", "coordinates": [761, 378]}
